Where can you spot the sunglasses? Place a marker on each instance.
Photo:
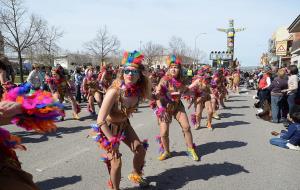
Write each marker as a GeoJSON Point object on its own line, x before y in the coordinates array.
{"type": "Point", "coordinates": [133, 72]}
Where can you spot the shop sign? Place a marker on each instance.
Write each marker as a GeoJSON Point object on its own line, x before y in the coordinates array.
{"type": "Point", "coordinates": [281, 48]}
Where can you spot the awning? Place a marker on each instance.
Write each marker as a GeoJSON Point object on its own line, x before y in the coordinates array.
{"type": "Point", "coordinates": [295, 26]}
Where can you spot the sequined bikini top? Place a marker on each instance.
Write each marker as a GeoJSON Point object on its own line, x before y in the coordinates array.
{"type": "Point", "coordinates": [120, 108]}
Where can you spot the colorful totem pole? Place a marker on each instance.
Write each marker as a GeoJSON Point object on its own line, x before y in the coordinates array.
{"type": "Point", "coordinates": [230, 35]}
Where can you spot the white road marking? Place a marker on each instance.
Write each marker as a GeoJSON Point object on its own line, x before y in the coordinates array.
{"type": "Point", "coordinates": [69, 157]}
{"type": "Point", "coordinates": [139, 125]}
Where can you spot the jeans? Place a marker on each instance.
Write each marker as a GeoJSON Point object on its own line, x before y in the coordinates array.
{"type": "Point", "coordinates": [276, 107]}
{"type": "Point", "coordinates": [78, 93]}
{"type": "Point", "coordinates": [291, 101]}
{"type": "Point", "coordinates": [262, 96]}
{"type": "Point", "coordinates": [279, 142]}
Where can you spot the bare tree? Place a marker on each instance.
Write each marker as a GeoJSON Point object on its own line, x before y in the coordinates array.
{"type": "Point", "coordinates": [49, 42]}
{"type": "Point", "coordinates": [80, 58]}
{"type": "Point", "coordinates": [200, 56]}
{"type": "Point", "coordinates": [152, 52]}
{"type": "Point", "coordinates": [20, 31]}
{"type": "Point", "coordinates": [116, 58]}
{"type": "Point", "coordinates": [177, 46]}
{"type": "Point", "coordinates": [103, 45]}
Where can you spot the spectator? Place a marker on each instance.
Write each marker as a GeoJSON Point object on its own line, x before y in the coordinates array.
{"type": "Point", "coordinates": [47, 77]}
{"type": "Point", "coordinates": [276, 87]}
{"type": "Point", "coordinates": [97, 69]}
{"type": "Point", "coordinates": [84, 70]}
{"type": "Point", "coordinates": [189, 74]}
{"type": "Point", "coordinates": [246, 75]}
{"type": "Point", "coordinates": [78, 81]}
{"type": "Point", "coordinates": [289, 139]}
{"type": "Point", "coordinates": [292, 86]}
{"type": "Point", "coordinates": [2, 77]}
{"type": "Point", "coordinates": [2, 72]}
{"type": "Point", "coordinates": [35, 78]}
{"type": "Point", "coordinates": [10, 73]}
{"type": "Point", "coordinates": [263, 85]}
{"type": "Point", "coordinates": [43, 74]}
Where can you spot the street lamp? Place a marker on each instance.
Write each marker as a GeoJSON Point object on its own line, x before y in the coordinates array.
{"type": "Point", "coordinates": [196, 37]}
{"type": "Point", "coordinates": [141, 45]}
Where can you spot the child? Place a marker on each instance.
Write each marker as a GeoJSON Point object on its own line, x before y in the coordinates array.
{"type": "Point", "coordinates": [289, 139]}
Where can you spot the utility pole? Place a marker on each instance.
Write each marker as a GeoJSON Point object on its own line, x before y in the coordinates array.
{"type": "Point", "coordinates": [230, 35]}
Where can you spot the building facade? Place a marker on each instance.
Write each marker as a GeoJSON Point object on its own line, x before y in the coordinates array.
{"type": "Point", "coordinates": [294, 29]}
{"type": "Point", "coordinates": [279, 51]}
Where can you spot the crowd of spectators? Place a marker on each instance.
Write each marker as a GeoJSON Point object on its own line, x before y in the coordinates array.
{"type": "Point", "coordinates": [278, 102]}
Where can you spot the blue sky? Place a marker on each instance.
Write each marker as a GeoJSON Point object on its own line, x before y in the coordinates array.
{"type": "Point", "coordinates": [133, 21]}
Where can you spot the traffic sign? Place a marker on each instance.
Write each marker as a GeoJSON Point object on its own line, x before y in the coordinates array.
{"type": "Point", "coordinates": [281, 48]}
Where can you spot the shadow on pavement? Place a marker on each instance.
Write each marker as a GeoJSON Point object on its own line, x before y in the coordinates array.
{"type": "Point", "coordinates": [211, 147]}
{"type": "Point", "coordinates": [25, 135]}
{"type": "Point", "coordinates": [58, 182]}
{"type": "Point", "coordinates": [69, 106]}
{"type": "Point", "coordinates": [237, 107]}
{"type": "Point", "coordinates": [176, 178]}
{"type": "Point", "coordinates": [230, 100]}
{"type": "Point", "coordinates": [229, 124]}
{"type": "Point", "coordinates": [93, 117]}
{"type": "Point", "coordinates": [144, 106]}
{"type": "Point", "coordinates": [244, 91]}
{"type": "Point", "coordinates": [227, 115]}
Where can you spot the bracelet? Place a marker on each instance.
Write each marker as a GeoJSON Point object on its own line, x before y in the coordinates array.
{"type": "Point", "coordinates": [114, 141]}
{"type": "Point", "coordinates": [101, 123]}
{"type": "Point", "coordinates": [160, 112]}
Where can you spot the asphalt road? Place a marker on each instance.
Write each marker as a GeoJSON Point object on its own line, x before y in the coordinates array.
{"type": "Point", "coordinates": [235, 155]}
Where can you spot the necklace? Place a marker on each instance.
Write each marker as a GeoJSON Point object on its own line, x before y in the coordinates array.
{"type": "Point", "coordinates": [176, 83]}
{"type": "Point", "coordinates": [131, 90]}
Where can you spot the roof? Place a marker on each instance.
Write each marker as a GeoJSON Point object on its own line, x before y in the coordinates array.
{"type": "Point", "coordinates": [295, 26]}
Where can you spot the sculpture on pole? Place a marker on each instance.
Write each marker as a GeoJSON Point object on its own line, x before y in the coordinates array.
{"type": "Point", "coordinates": [230, 35]}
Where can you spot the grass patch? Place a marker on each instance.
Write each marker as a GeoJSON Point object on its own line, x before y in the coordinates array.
{"type": "Point", "coordinates": [18, 78]}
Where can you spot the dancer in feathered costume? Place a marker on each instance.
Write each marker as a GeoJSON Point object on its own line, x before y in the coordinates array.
{"type": "Point", "coordinates": [201, 84]}
{"type": "Point", "coordinates": [215, 95]}
{"type": "Point", "coordinates": [221, 85]}
{"type": "Point", "coordinates": [105, 77]}
{"type": "Point", "coordinates": [236, 80]}
{"type": "Point", "coordinates": [61, 89]}
{"type": "Point", "coordinates": [226, 78]}
{"type": "Point", "coordinates": [113, 126]}
{"type": "Point", "coordinates": [168, 104]}
{"type": "Point", "coordinates": [154, 78]}
{"type": "Point", "coordinates": [91, 87]}
{"type": "Point", "coordinates": [31, 110]}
